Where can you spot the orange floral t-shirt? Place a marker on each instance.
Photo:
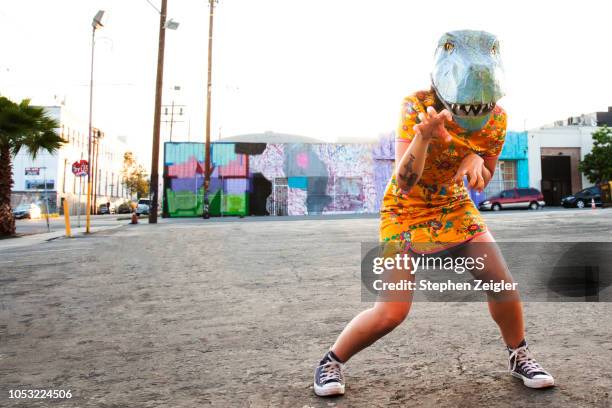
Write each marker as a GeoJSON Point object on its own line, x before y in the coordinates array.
{"type": "Point", "coordinates": [438, 212]}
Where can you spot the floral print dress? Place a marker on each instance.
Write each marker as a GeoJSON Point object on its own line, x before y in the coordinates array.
{"type": "Point", "coordinates": [438, 212]}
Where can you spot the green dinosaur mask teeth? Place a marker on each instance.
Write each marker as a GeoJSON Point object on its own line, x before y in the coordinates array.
{"type": "Point", "coordinates": [467, 75]}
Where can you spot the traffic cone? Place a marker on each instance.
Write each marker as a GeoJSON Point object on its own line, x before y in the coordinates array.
{"type": "Point", "coordinates": [134, 218]}
{"type": "Point", "coordinates": [593, 203]}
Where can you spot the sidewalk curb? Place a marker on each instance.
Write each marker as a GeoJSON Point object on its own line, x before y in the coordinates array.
{"type": "Point", "coordinates": [35, 239]}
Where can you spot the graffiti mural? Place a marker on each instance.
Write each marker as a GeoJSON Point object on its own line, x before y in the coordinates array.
{"type": "Point", "coordinates": [277, 179]}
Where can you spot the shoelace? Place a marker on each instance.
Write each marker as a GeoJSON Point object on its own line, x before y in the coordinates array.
{"type": "Point", "coordinates": [331, 370]}
{"type": "Point", "coordinates": [523, 359]}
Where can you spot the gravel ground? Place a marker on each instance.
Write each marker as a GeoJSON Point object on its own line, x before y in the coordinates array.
{"type": "Point", "coordinates": [190, 313]}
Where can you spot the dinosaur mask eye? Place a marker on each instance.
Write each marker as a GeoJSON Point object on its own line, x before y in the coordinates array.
{"type": "Point", "coordinates": [494, 50]}
{"type": "Point", "coordinates": [448, 46]}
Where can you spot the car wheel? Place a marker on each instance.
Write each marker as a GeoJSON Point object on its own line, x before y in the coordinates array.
{"type": "Point", "coordinates": [496, 207]}
{"type": "Point", "coordinates": [533, 205]}
{"type": "Point", "coordinates": [580, 204]}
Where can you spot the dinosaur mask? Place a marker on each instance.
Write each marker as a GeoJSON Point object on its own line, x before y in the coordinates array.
{"type": "Point", "coordinates": [467, 76]}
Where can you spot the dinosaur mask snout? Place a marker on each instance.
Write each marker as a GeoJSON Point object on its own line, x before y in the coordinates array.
{"type": "Point", "coordinates": [467, 75]}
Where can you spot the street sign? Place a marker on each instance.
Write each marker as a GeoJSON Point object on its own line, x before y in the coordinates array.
{"type": "Point", "coordinates": [80, 168]}
{"type": "Point", "coordinates": [32, 171]}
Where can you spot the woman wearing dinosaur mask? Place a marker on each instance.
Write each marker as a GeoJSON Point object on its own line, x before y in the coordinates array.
{"type": "Point", "coordinates": [452, 131]}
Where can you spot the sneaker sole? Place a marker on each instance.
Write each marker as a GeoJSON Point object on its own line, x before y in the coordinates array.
{"type": "Point", "coordinates": [535, 383]}
{"type": "Point", "coordinates": [331, 389]}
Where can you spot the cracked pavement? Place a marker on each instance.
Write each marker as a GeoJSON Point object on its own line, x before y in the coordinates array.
{"type": "Point", "coordinates": [237, 313]}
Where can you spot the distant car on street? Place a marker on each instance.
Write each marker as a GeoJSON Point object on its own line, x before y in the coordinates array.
{"type": "Point", "coordinates": [514, 199]}
{"type": "Point", "coordinates": [124, 208]}
{"type": "Point", "coordinates": [582, 198]}
{"type": "Point", "coordinates": [143, 206]}
{"type": "Point", "coordinates": [26, 211]}
{"type": "Point", "coordinates": [105, 210]}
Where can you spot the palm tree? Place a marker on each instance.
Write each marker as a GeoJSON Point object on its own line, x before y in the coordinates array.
{"type": "Point", "coordinates": [21, 126]}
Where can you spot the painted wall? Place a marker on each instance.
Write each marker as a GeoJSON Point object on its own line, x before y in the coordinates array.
{"type": "Point", "coordinates": [285, 179]}
{"type": "Point", "coordinates": [291, 178]}
{"type": "Point", "coordinates": [516, 148]}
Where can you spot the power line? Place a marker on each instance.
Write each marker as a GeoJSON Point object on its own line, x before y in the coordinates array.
{"type": "Point", "coordinates": [153, 5]}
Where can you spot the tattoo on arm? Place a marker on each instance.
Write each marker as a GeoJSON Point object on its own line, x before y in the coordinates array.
{"type": "Point", "coordinates": [407, 174]}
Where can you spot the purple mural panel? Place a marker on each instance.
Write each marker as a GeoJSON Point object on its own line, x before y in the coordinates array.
{"type": "Point", "coordinates": [385, 148]}
{"type": "Point", "coordinates": [186, 184]}
{"type": "Point", "coordinates": [383, 154]}
{"type": "Point", "coordinates": [235, 185]}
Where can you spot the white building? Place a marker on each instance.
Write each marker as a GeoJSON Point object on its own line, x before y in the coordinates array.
{"type": "Point", "coordinates": [30, 175]}
{"type": "Point", "coordinates": [555, 152]}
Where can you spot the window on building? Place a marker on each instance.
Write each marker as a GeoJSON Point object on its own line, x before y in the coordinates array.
{"type": "Point", "coordinates": [504, 178]}
{"type": "Point", "coordinates": [39, 184]}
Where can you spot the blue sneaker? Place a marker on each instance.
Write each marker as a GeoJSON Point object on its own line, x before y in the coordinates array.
{"type": "Point", "coordinates": [329, 377]}
{"type": "Point", "coordinates": [522, 365]}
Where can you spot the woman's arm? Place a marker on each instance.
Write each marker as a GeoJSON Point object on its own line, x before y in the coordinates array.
{"type": "Point", "coordinates": [410, 166]}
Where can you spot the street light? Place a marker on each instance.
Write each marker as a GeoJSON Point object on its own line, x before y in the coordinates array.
{"type": "Point", "coordinates": [97, 22]}
{"type": "Point", "coordinates": [99, 19]}
{"type": "Point", "coordinates": [171, 24]}
{"type": "Point", "coordinates": [163, 25]}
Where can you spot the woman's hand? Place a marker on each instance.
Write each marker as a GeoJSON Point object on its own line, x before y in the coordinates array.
{"type": "Point", "coordinates": [473, 166]}
{"type": "Point", "coordinates": [432, 125]}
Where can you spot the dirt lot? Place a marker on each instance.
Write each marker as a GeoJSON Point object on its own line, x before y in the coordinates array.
{"type": "Point", "coordinates": [188, 313]}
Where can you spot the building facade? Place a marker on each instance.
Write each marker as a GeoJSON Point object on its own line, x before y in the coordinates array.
{"type": "Point", "coordinates": [275, 178]}
{"type": "Point", "coordinates": [259, 178]}
{"type": "Point", "coordinates": [554, 156]}
{"type": "Point", "coordinates": [555, 151]}
{"type": "Point", "coordinates": [49, 177]}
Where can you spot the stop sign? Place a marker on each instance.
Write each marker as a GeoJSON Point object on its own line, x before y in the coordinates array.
{"type": "Point", "coordinates": [80, 168]}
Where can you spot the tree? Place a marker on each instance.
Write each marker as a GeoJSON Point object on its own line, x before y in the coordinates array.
{"type": "Point", "coordinates": [21, 126]}
{"type": "Point", "coordinates": [134, 176]}
{"type": "Point", "coordinates": [597, 165]}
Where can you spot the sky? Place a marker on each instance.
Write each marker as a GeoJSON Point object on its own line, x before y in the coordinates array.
{"type": "Point", "coordinates": [327, 69]}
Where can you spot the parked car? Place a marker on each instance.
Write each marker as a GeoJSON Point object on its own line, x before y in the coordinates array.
{"type": "Point", "coordinates": [124, 208]}
{"type": "Point", "coordinates": [582, 198]}
{"type": "Point", "coordinates": [143, 206]}
{"type": "Point", "coordinates": [103, 209]}
{"type": "Point", "coordinates": [26, 211]}
{"type": "Point", "coordinates": [513, 199]}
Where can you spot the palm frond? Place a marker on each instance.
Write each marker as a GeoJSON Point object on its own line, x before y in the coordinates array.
{"type": "Point", "coordinates": [24, 125]}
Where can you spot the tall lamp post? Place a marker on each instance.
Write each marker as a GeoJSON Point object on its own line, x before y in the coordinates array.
{"type": "Point", "coordinates": [163, 25]}
{"type": "Point", "coordinates": [96, 23]}
{"type": "Point", "coordinates": [206, 206]}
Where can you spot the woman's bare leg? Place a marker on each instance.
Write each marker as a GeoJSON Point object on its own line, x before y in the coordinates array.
{"type": "Point", "coordinates": [506, 309]}
{"type": "Point", "coordinates": [372, 324]}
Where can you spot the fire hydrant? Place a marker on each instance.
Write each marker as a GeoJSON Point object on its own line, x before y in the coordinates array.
{"type": "Point", "coordinates": [593, 203]}
{"type": "Point", "coordinates": [134, 218]}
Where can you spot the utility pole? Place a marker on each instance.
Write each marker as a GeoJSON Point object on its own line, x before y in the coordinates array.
{"type": "Point", "coordinates": [205, 212]}
{"type": "Point", "coordinates": [173, 107]}
{"type": "Point", "coordinates": [171, 119]}
{"type": "Point", "coordinates": [157, 115]}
